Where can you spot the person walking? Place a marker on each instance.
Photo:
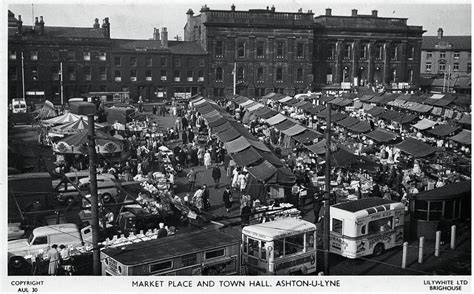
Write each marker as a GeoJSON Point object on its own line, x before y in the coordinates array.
{"type": "Point", "coordinates": [197, 199]}
{"type": "Point", "coordinates": [207, 159]}
{"type": "Point", "coordinates": [245, 215]}
{"type": "Point", "coordinates": [317, 204]}
{"type": "Point", "coordinates": [184, 136]}
{"type": "Point", "coordinates": [227, 198]}
{"type": "Point", "coordinates": [200, 155]}
{"type": "Point", "coordinates": [205, 197]}
{"type": "Point", "coordinates": [54, 260]}
{"type": "Point", "coordinates": [216, 175]}
{"type": "Point", "coordinates": [191, 179]}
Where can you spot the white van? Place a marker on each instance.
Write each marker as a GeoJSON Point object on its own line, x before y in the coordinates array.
{"type": "Point", "coordinates": [43, 237]}
{"type": "Point", "coordinates": [18, 105]}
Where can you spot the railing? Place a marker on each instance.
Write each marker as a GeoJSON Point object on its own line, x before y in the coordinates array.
{"type": "Point", "coordinates": [259, 17]}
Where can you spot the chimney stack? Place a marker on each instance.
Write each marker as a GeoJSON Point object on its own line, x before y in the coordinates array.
{"type": "Point", "coordinates": [440, 33]}
{"type": "Point", "coordinates": [164, 37]}
{"type": "Point", "coordinates": [328, 11]}
{"type": "Point", "coordinates": [232, 7]}
{"type": "Point", "coordinates": [190, 13]}
{"type": "Point", "coordinates": [41, 23]}
{"type": "Point", "coordinates": [374, 13]}
{"type": "Point", "coordinates": [37, 25]}
{"type": "Point", "coordinates": [156, 34]}
{"type": "Point", "coordinates": [96, 24]}
{"type": "Point", "coordinates": [300, 10]}
{"type": "Point", "coordinates": [20, 24]}
{"type": "Point", "coordinates": [354, 12]}
{"type": "Point", "coordinates": [106, 28]}
{"type": "Point", "coordinates": [273, 8]}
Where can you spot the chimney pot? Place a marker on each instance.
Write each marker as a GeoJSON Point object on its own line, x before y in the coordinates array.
{"type": "Point", "coordinates": [374, 13]}
{"type": "Point", "coordinates": [232, 7]}
{"type": "Point", "coordinates": [19, 17]}
{"type": "Point", "coordinates": [328, 11]}
{"type": "Point", "coordinates": [440, 33]}
{"type": "Point", "coordinates": [96, 24]}
{"type": "Point", "coordinates": [273, 8]}
{"type": "Point", "coordinates": [41, 19]}
{"type": "Point", "coordinates": [164, 37]}
{"type": "Point", "coordinates": [354, 12]}
{"type": "Point", "coordinates": [36, 20]}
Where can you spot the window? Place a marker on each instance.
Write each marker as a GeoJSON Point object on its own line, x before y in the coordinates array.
{"type": "Point", "coordinates": [12, 73]}
{"type": "Point", "coordinates": [363, 229]}
{"type": "Point", "coordinates": [163, 61]}
{"type": "Point", "coordinates": [429, 55]}
{"type": "Point", "coordinates": [190, 259]}
{"type": "Point", "coordinates": [34, 55]}
{"type": "Point", "coordinates": [12, 54]}
{"type": "Point", "coordinates": [456, 66]}
{"type": "Point", "coordinates": [411, 53]}
{"type": "Point", "coordinates": [189, 62]}
{"type": "Point", "coordinates": [118, 76]}
{"type": "Point", "coordinates": [87, 73]}
{"type": "Point", "coordinates": [214, 253]}
{"type": "Point", "coordinates": [263, 250]}
{"type": "Point", "coordinates": [260, 74]}
{"type": "Point", "coordinates": [260, 49]}
{"type": "Point", "coordinates": [40, 240]}
{"type": "Point", "coordinates": [468, 70]}
{"type": "Point", "coordinates": [253, 247]}
{"type": "Point", "coordinates": [133, 61]}
{"type": "Point", "coordinates": [332, 51]}
{"type": "Point", "coordinates": [163, 75]}
{"type": "Point", "coordinates": [148, 76]}
{"type": "Point", "coordinates": [241, 49]}
{"type": "Point", "coordinates": [117, 61]}
{"type": "Point", "coordinates": [200, 76]}
{"type": "Point", "coordinates": [177, 76]}
{"type": "Point", "coordinates": [55, 73]}
{"type": "Point", "coordinates": [102, 55]}
{"type": "Point", "coordinates": [34, 73]}
{"type": "Point", "coordinates": [363, 51]}
{"type": "Point", "coordinates": [337, 226]}
{"type": "Point", "coordinates": [54, 55]}
{"type": "Point", "coordinates": [428, 66]}
{"type": "Point", "coordinates": [87, 55]}
{"type": "Point", "coordinates": [279, 49]}
{"type": "Point", "coordinates": [300, 50]}
{"type": "Point", "coordinates": [219, 74]}
{"type": "Point", "coordinates": [240, 74]}
{"type": "Point", "coordinates": [201, 62]}
{"type": "Point", "coordinates": [395, 52]}
{"type": "Point", "coordinates": [133, 75]}
{"type": "Point", "coordinates": [442, 55]}
{"type": "Point", "coordinates": [279, 74]}
{"type": "Point", "coordinates": [294, 244]}
{"type": "Point", "coordinates": [278, 248]}
{"type": "Point", "coordinates": [442, 67]}
{"type": "Point", "coordinates": [394, 75]}
{"type": "Point", "coordinates": [379, 52]}
{"type": "Point", "coordinates": [381, 225]}
{"type": "Point", "coordinates": [347, 51]}
{"type": "Point", "coordinates": [149, 61]}
{"type": "Point", "coordinates": [177, 62]}
{"type": "Point", "coordinates": [299, 75]}
{"type": "Point", "coordinates": [219, 49]}
{"type": "Point", "coordinates": [71, 73]}
{"type": "Point", "coordinates": [161, 266]}
{"type": "Point", "coordinates": [310, 242]}
{"type": "Point", "coordinates": [102, 74]}
{"type": "Point", "coordinates": [456, 55]}
{"type": "Point", "coordinates": [436, 210]}
{"type": "Point", "coordinates": [70, 55]}
{"type": "Point", "coordinates": [190, 76]}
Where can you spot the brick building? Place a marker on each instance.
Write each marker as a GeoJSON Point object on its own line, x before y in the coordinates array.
{"type": "Point", "coordinates": [445, 54]}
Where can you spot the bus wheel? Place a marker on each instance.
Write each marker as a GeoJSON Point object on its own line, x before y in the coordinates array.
{"type": "Point", "coordinates": [379, 249]}
{"type": "Point", "coordinates": [106, 197]}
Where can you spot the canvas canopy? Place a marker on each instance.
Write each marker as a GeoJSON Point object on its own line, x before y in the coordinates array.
{"type": "Point", "coordinates": [62, 119]}
{"type": "Point", "coordinates": [338, 116]}
{"type": "Point", "coordinates": [443, 130]}
{"type": "Point", "coordinates": [74, 127]}
{"type": "Point", "coordinates": [300, 103]}
{"type": "Point", "coordinates": [416, 148]}
{"type": "Point", "coordinates": [314, 110]}
{"type": "Point", "coordinates": [285, 99]}
{"type": "Point", "coordinates": [381, 135]}
{"type": "Point", "coordinates": [286, 124]}
{"type": "Point", "coordinates": [366, 97]}
{"type": "Point", "coordinates": [276, 119]}
{"type": "Point", "coordinates": [76, 144]}
{"type": "Point", "coordinates": [294, 130]}
{"type": "Point", "coordinates": [307, 136]}
{"type": "Point", "coordinates": [464, 137]}
{"type": "Point", "coordinates": [263, 171]}
{"type": "Point", "coordinates": [318, 148]}
{"type": "Point", "coordinates": [404, 118]}
{"type": "Point", "coordinates": [465, 119]}
{"type": "Point", "coordinates": [255, 107]}
{"type": "Point", "coordinates": [217, 122]}
{"type": "Point", "coordinates": [360, 127]}
{"type": "Point", "coordinates": [246, 157]}
{"type": "Point", "coordinates": [348, 121]}
{"type": "Point", "coordinates": [229, 135]}
{"type": "Point", "coordinates": [424, 124]}
{"type": "Point", "coordinates": [376, 111]}
{"type": "Point", "coordinates": [450, 191]}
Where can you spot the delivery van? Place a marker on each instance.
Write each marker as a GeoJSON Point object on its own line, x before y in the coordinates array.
{"type": "Point", "coordinates": [18, 105]}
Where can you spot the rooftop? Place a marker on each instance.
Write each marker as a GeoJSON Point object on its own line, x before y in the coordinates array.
{"type": "Point", "coordinates": [446, 42]}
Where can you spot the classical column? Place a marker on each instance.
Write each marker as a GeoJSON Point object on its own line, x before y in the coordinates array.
{"type": "Point", "coordinates": [371, 66]}
{"type": "Point", "coordinates": [339, 72]}
{"type": "Point", "coordinates": [355, 60]}
{"type": "Point", "coordinates": [403, 75]}
{"type": "Point", "coordinates": [386, 63]}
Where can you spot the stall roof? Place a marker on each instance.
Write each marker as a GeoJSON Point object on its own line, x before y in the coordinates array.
{"type": "Point", "coordinates": [416, 147]}
{"type": "Point", "coordinates": [307, 136]}
{"type": "Point", "coordinates": [277, 96]}
{"type": "Point", "coordinates": [418, 98]}
{"type": "Point", "coordinates": [291, 102]}
{"type": "Point", "coordinates": [397, 102]}
{"type": "Point", "coordinates": [286, 124]}
{"type": "Point", "coordinates": [424, 124]}
{"type": "Point", "coordinates": [282, 176]}
{"type": "Point", "coordinates": [307, 106]}
{"type": "Point", "coordinates": [464, 137]}
{"type": "Point", "coordinates": [404, 118]}
{"type": "Point", "coordinates": [450, 191]}
{"type": "Point", "coordinates": [376, 99]}
{"type": "Point", "coordinates": [387, 98]}
{"type": "Point", "coordinates": [366, 97]}
{"type": "Point", "coordinates": [294, 130]}
{"type": "Point", "coordinates": [318, 148]}
{"type": "Point", "coordinates": [390, 114]}
{"type": "Point", "coordinates": [338, 116]}
{"type": "Point", "coordinates": [246, 157]}
{"type": "Point", "coordinates": [367, 106]}
{"type": "Point", "coordinates": [276, 119]}
{"type": "Point", "coordinates": [357, 104]}
{"type": "Point", "coordinates": [336, 100]}
{"type": "Point", "coordinates": [230, 134]}
{"type": "Point", "coordinates": [237, 145]}
{"type": "Point", "coordinates": [270, 157]}
{"type": "Point", "coordinates": [219, 121]}
{"type": "Point", "coordinates": [316, 109]}
{"type": "Point", "coordinates": [465, 119]}
{"type": "Point", "coordinates": [255, 107]}
{"type": "Point", "coordinates": [301, 103]}
{"type": "Point", "coordinates": [381, 135]}
{"type": "Point", "coordinates": [348, 121]}
{"type": "Point", "coordinates": [422, 108]}
{"type": "Point", "coordinates": [252, 104]}
{"type": "Point", "coordinates": [285, 99]}
{"type": "Point", "coordinates": [240, 99]}
{"type": "Point", "coordinates": [326, 98]}
{"type": "Point", "coordinates": [362, 204]}
{"type": "Point", "coordinates": [376, 111]}
{"type": "Point", "coordinates": [248, 102]}
{"type": "Point", "coordinates": [345, 102]}
{"type": "Point", "coordinates": [443, 130]}
{"type": "Point", "coordinates": [360, 127]}
{"type": "Point", "coordinates": [263, 171]}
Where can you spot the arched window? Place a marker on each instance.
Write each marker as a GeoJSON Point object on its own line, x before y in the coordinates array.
{"type": "Point", "coordinates": [240, 74]}
{"type": "Point", "coordinates": [260, 74]}
{"type": "Point", "coordinates": [347, 51]}
{"type": "Point", "coordinates": [299, 75]}
{"type": "Point", "coordinates": [332, 51]}
{"type": "Point", "coordinates": [219, 74]}
{"type": "Point", "coordinates": [363, 51]}
{"type": "Point", "coordinates": [241, 49]}
{"type": "Point", "coordinates": [279, 74]}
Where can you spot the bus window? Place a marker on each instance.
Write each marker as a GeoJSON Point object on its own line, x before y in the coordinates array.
{"type": "Point", "coordinates": [188, 260]}
{"type": "Point", "coordinates": [294, 244]}
{"type": "Point", "coordinates": [337, 226]}
{"type": "Point", "coordinates": [253, 247]}
{"type": "Point", "coordinates": [380, 225]}
{"type": "Point", "coordinates": [214, 253]}
{"type": "Point", "coordinates": [278, 248]}
{"type": "Point", "coordinates": [263, 251]}
{"type": "Point", "coordinates": [245, 244]}
{"type": "Point", "coordinates": [160, 266]}
{"type": "Point", "coordinates": [310, 241]}
{"type": "Point", "coordinates": [362, 229]}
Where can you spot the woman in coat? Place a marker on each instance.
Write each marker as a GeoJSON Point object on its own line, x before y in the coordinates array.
{"type": "Point", "coordinates": [227, 198]}
{"type": "Point", "coordinates": [207, 159]}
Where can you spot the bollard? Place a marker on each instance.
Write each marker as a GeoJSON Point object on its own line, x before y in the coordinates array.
{"type": "Point", "coordinates": [420, 249]}
{"type": "Point", "coordinates": [438, 241]}
{"type": "Point", "coordinates": [404, 256]}
{"type": "Point", "coordinates": [453, 237]}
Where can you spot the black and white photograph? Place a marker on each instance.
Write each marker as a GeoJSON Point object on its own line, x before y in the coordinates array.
{"type": "Point", "coordinates": [236, 146]}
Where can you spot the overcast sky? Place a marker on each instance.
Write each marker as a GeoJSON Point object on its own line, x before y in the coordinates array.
{"type": "Point", "coordinates": [136, 19]}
